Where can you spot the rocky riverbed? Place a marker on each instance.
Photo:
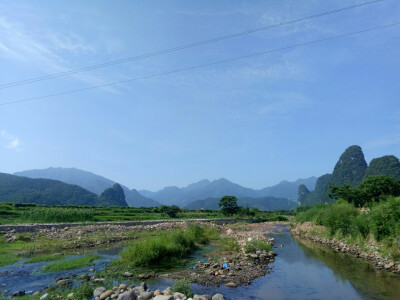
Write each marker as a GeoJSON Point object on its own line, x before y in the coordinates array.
{"type": "Point", "coordinates": [312, 232]}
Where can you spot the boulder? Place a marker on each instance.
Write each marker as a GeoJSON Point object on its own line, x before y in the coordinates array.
{"type": "Point", "coordinates": [45, 296]}
{"type": "Point", "coordinates": [145, 295]}
{"type": "Point", "coordinates": [106, 294]}
{"type": "Point", "coordinates": [202, 297]}
{"type": "Point", "coordinates": [127, 274]}
{"type": "Point", "coordinates": [164, 297]}
{"type": "Point", "coordinates": [231, 285]}
{"type": "Point", "coordinates": [100, 290]}
{"type": "Point", "coordinates": [64, 283]}
{"type": "Point", "coordinates": [128, 295]}
{"type": "Point", "coordinates": [178, 295]}
{"type": "Point", "coordinates": [168, 291]}
{"type": "Point", "coordinates": [218, 297]}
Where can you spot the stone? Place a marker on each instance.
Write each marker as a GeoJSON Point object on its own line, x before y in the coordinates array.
{"type": "Point", "coordinates": [122, 286]}
{"type": "Point", "coordinates": [164, 297]}
{"type": "Point", "coordinates": [70, 296]}
{"type": "Point", "coordinates": [45, 296]}
{"type": "Point", "coordinates": [231, 285]}
{"type": "Point", "coordinates": [100, 290]}
{"type": "Point", "coordinates": [387, 266]}
{"type": "Point", "coordinates": [128, 295]}
{"type": "Point", "coordinates": [90, 270]}
{"type": "Point", "coordinates": [157, 292]}
{"type": "Point", "coordinates": [202, 297]}
{"type": "Point", "coordinates": [168, 291]}
{"type": "Point", "coordinates": [106, 294]}
{"type": "Point", "coordinates": [19, 293]}
{"type": "Point", "coordinates": [218, 297]}
{"type": "Point", "coordinates": [178, 295]}
{"type": "Point", "coordinates": [145, 295]}
{"type": "Point", "coordinates": [127, 274]}
{"type": "Point", "coordinates": [64, 283]}
{"type": "Point", "coordinates": [144, 285]}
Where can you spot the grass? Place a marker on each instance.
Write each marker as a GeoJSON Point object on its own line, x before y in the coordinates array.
{"type": "Point", "coordinates": [184, 287]}
{"type": "Point", "coordinates": [8, 259]}
{"type": "Point", "coordinates": [228, 244]}
{"type": "Point", "coordinates": [255, 245]}
{"type": "Point", "coordinates": [166, 248]}
{"type": "Point", "coordinates": [70, 264]}
{"type": "Point", "coordinates": [44, 257]}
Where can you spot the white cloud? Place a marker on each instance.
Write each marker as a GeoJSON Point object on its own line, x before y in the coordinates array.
{"type": "Point", "coordinates": [10, 141]}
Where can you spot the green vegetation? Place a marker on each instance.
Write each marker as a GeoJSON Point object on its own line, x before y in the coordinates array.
{"type": "Point", "coordinates": [8, 259]}
{"type": "Point", "coordinates": [184, 287]}
{"type": "Point", "coordinates": [171, 211]}
{"type": "Point", "coordinates": [343, 219]}
{"type": "Point", "coordinates": [388, 165]}
{"type": "Point", "coordinates": [372, 189]}
{"type": "Point", "coordinates": [113, 196]}
{"type": "Point", "coordinates": [228, 244]}
{"type": "Point", "coordinates": [255, 245]}
{"type": "Point", "coordinates": [71, 264]}
{"type": "Point", "coordinates": [167, 247]}
{"type": "Point", "coordinates": [228, 205]}
{"type": "Point", "coordinates": [44, 257]}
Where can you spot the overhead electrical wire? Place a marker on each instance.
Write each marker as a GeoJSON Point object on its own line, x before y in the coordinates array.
{"type": "Point", "coordinates": [156, 53]}
{"type": "Point", "coordinates": [202, 65]}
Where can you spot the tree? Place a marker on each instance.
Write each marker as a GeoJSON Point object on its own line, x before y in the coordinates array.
{"type": "Point", "coordinates": [228, 205]}
{"type": "Point", "coordinates": [171, 211]}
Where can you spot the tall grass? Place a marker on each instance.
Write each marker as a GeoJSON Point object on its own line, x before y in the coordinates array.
{"type": "Point", "coordinates": [166, 247]}
{"type": "Point", "coordinates": [383, 220]}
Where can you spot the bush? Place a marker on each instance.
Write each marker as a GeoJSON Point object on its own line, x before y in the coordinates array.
{"type": "Point", "coordinates": [385, 219]}
{"type": "Point", "coordinates": [184, 287]}
{"type": "Point", "coordinates": [362, 223]}
{"type": "Point", "coordinates": [340, 217]}
{"type": "Point", "coordinates": [255, 245]}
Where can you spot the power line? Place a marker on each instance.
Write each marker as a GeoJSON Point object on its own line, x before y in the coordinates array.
{"type": "Point", "coordinates": [202, 65]}
{"type": "Point", "coordinates": [160, 52]}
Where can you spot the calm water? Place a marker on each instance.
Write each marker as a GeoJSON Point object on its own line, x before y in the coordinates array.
{"type": "Point", "coordinates": [302, 270]}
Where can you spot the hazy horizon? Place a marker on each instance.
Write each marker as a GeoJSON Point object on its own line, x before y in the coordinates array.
{"type": "Point", "coordinates": [285, 115]}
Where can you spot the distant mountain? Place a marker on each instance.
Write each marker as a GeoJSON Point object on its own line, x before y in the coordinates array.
{"type": "Point", "coordinates": [206, 189]}
{"type": "Point", "coordinates": [90, 181]}
{"type": "Point", "coordinates": [114, 196]}
{"type": "Point", "coordinates": [46, 191]}
{"type": "Point", "coordinates": [264, 203]}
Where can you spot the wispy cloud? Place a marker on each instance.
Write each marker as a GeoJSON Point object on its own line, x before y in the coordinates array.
{"type": "Point", "coordinates": [10, 141]}
{"type": "Point", "coordinates": [46, 50]}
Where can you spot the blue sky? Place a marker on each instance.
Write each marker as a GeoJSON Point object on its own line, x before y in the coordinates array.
{"type": "Point", "coordinates": [256, 121]}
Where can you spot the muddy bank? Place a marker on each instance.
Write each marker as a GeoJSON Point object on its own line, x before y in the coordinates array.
{"type": "Point", "coordinates": [313, 232]}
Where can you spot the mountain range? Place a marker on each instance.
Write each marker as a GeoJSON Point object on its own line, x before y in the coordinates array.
{"type": "Point", "coordinates": [21, 189]}
{"type": "Point", "coordinates": [206, 189]}
{"type": "Point", "coordinates": [199, 191]}
{"type": "Point", "coordinates": [89, 181]}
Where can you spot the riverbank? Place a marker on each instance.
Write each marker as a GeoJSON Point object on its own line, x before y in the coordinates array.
{"type": "Point", "coordinates": [370, 251]}
{"type": "Point", "coordinates": [239, 254]}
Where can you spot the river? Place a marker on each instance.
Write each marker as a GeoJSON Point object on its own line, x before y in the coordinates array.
{"type": "Point", "coordinates": [302, 270]}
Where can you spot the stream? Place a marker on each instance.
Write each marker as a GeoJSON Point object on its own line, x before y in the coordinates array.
{"type": "Point", "coordinates": [302, 270]}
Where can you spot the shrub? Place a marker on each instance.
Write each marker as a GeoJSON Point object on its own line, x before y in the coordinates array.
{"type": "Point", "coordinates": [339, 217]}
{"type": "Point", "coordinates": [362, 223]}
{"type": "Point", "coordinates": [385, 218]}
{"type": "Point", "coordinates": [255, 245]}
{"type": "Point", "coordinates": [184, 287]}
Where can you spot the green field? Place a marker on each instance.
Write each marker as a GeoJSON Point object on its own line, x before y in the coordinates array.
{"type": "Point", "coordinates": [20, 213]}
